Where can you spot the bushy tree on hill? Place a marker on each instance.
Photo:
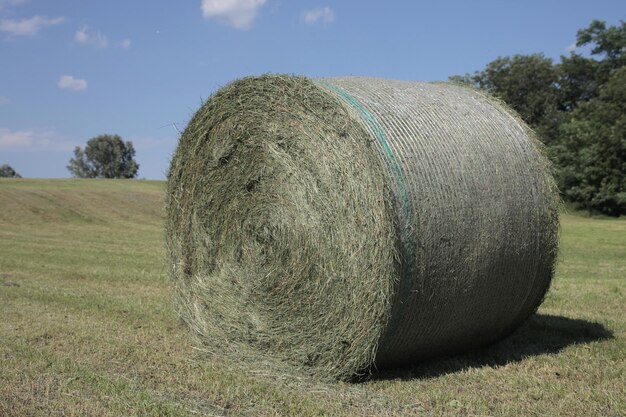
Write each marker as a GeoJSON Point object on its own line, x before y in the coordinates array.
{"type": "Point", "coordinates": [105, 156]}
{"type": "Point", "coordinates": [8, 172]}
{"type": "Point", "coordinates": [577, 108]}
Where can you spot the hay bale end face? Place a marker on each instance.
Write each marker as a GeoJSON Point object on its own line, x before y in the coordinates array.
{"type": "Point", "coordinates": [342, 223]}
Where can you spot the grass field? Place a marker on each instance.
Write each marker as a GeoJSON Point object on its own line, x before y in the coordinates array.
{"type": "Point", "coordinates": [87, 328]}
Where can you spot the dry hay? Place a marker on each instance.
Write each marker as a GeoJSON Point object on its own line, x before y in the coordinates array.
{"type": "Point", "coordinates": [335, 225]}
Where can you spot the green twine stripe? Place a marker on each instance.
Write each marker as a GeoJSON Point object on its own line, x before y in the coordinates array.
{"type": "Point", "coordinates": [404, 286]}
{"type": "Point", "coordinates": [390, 158]}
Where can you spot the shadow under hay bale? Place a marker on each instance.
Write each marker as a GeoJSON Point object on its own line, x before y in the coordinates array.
{"type": "Point", "coordinates": [337, 224]}
{"type": "Point", "coordinates": [541, 334]}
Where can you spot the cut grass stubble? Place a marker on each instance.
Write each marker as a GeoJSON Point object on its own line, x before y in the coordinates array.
{"type": "Point", "coordinates": [97, 335]}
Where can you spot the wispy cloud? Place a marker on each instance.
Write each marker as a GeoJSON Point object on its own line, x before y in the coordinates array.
{"type": "Point", "coordinates": [238, 13]}
{"type": "Point", "coordinates": [33, 140]}
{"type": "Point", "coordinates": [28, 27]}
{"type": "Point", "coordinates": [4, 4]}
{"type": "Point", "coordinates": [67, 82]}
{"type": "Point", "coordinates": [85, 36]}
{"type": "Point", "coordinates": [321, 14]}
{"type": "Point", "coordinates": [571, 47]}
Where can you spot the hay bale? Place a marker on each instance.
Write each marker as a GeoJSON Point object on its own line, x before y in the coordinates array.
{"type": "Point", "coordinates": [342, 223]}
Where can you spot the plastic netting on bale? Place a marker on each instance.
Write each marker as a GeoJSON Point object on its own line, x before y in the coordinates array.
{"type": "Point", "coordinates": [342, 223]}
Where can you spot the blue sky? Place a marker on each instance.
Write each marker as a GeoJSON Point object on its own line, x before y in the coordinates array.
{"type": "Point", "coordinates": [71, 70]}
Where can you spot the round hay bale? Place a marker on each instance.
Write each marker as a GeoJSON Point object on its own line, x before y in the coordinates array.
{"type": "Point", "coordinates": [342, 223]}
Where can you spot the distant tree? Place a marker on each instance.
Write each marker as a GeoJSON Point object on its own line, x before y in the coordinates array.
{"type": "Point", "coordinates": [105, 156]}
{"type": "Point", "coordinates": [590, 152]}
{"type": "Point", "coordinates": [7, 171]}
{"type": "Point", "coordinates": [461, 79]}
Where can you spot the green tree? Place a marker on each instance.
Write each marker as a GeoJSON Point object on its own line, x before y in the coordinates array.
{"type": "Point", "coordinates": [579, 77]}
{"type": "Point", "coordinates": [7, 171]}
{"type": "Point", "coordinates": [610, 43]}
{"type": "Point", "coordinates": [591, 153]}
{"type": "Point", "coordinates": [105, 156]}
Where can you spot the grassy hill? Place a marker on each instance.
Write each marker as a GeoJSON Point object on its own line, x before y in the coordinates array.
{"type": "Point", "coordinates": [87, 327]}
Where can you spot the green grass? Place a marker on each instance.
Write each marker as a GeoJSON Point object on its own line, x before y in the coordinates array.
{"type": "Point", "coordinates": [87, 327]}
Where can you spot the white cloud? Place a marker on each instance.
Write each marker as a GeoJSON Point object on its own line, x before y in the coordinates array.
{"type": "Point", "coordinates": [33, 140]}
{"type": "Point", "coordinates": [70, 83]}
{"type": "Point", "coordinates": [238, 13]}
{"type": "Point", "coordinates": [85, 37]}
{"type": "Point", "coordinates": [571, 47]}
{"type": "Point", "coordinates": [10, 3]}
{"type": "Point", "coordinates": [28, 27]}
{"type": "Point", "coordinates": [324, 14]}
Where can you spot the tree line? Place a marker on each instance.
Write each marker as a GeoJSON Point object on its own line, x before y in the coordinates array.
{"type": "Point", "coordinates": [104, 156]}
{"type": "Point", "coordinates": [577, 107]}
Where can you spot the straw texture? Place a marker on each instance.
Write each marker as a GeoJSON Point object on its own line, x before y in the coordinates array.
{"type": "Point", "coordinates": [336, 224]}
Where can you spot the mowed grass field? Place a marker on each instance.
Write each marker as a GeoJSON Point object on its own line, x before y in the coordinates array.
{"type": "Point", "coordinates": [87, 329]}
